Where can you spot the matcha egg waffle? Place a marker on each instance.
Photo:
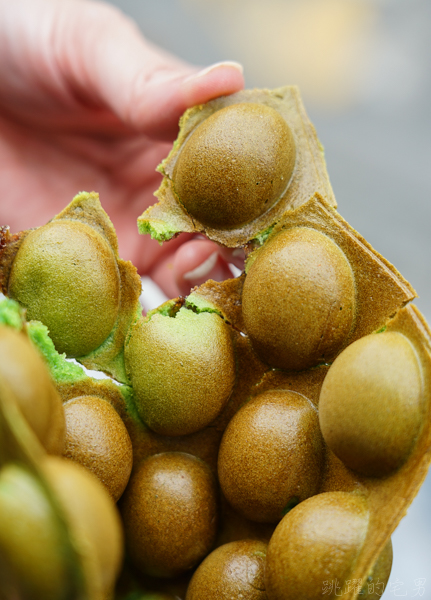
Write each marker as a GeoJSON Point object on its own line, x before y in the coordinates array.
{"type": "Point", "coordinates": [266, 434]}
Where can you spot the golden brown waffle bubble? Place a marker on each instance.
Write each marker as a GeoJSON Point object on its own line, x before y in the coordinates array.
{"type": "Point", "coordinates": [24, 371]}
{"type": "Point", "coordinates": [235, 165]}
{"type": "Point", "coordinates": [182, 369]}
{"type": "Point", "coordinates": [299, 299]}
{"type": "Point", "coordinates": [372, 405]}
{"type": "Point", "coordinates": [235, 570]}
{"type": "Point", "coordinates": [93, 519]}
{"type": "Point", "coordinates": [37, 555]}
{"type": "Point", "coordinates": [97, 439]}
{"type": "Point", "coordinates": [303, 552]}
{"type": "Point", "coordinates": [31, 541]}
{"type": "Point", "coordinates": [271, 455]}
{"type": "Point", "coordinates": [170, 514]}
{"type": "Point", "coordinates": [48, 261]}
{"type": "Point", "coordinates": [304, 560]}
{"type": "Point", "coordinates": [68, 275]}
{"type": "Point", "coordinates": [238, 164]}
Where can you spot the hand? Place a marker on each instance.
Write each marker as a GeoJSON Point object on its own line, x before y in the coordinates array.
{"type": "Point", "coordinates": [86, 103]}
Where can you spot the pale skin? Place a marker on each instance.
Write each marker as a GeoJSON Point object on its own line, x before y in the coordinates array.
{"type": "Point", "coordinates": [86, 103]}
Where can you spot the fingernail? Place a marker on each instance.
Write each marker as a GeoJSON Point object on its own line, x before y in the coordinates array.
{"type": "Point", "coordinates": [226, 63]}
{"type": "Point", "coordinates": [203, 269]}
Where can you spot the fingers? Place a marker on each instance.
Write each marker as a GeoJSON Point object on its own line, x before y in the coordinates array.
{"type": "Point", "coordinates": [235, 256]}
{"type": "Point", "coordinates": [156, 104]}
{"type": "Point", "coordinates": [155, 89]}
{"type": "Point", "coordinates": [146, 87]}
{"type": "Point", "coordinates": [197, 261]}
{"type": "Point", "coordinates": [84, 64]}
{"type": "Point", "coordinates": [192, 264]}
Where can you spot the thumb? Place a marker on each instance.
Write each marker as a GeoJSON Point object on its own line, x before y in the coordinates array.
{"type": "Point", "coordinates": [146, 87]}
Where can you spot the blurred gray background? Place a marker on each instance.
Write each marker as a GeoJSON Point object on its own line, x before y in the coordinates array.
{"type": "Point", "coordinates": [364, 69]}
